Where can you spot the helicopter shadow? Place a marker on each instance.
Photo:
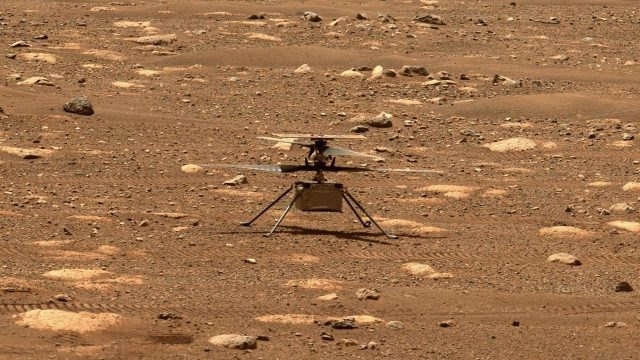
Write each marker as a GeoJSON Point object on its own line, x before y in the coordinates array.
{"type": "Point", "coordinates": [362, 236]}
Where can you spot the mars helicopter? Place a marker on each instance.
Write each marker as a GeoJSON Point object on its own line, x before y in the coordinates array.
{"type": "Point", "coordinates": [318, 194]}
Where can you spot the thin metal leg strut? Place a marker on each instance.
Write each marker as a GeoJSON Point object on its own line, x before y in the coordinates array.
{"type": "Point", "coordinates": [283, 215]}
{"type": "Point", "coordinates": [248, 223]}
{"type": "Point", "coordinates": [390, 236]}
{"type": "Point", "coordinates": [366, 224]}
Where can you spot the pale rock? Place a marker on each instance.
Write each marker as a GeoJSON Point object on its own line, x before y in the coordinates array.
{"type": "Point", "coordinates": [564, 258]}
{"type": "Point", "coordinates": [234, 341]}
{"type": "Point", "coordinates": [303, 69]}
{"type": "Point", "coordinates": [351, 73]}
{"type": "Point", "coordinates": [191, 169]}
{"type": "Point", "coordinates": [240, 179]}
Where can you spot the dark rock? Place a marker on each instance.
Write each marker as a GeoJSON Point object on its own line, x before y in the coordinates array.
{"type": "Point", "coordinates": [389, 73]}
{"type": "Point", "coordinates": [343, 324]}
{"type": "Point", "coordinates": [430, 19]}
{"type": "Point", "coordinates": [256, 17]}
{"type": "Point", "coordinates": [168, 316]}
{"type": "Point", "coordinates": [623, 286]}
{"type": "Point", "coordinates": [41, 37]}
{"type": "Point", "coordinates": [446, 323]}
{"type": "Point", "coordinates": [408, 70]}
{"type": "Point", "coordinates": [362, 16]}
{"type": "Point", "coordinates": [359, 129]}
{"type": "Point", "coordinates": [79, 105]}
{"type": "Point", "coordinates": [326, 336]}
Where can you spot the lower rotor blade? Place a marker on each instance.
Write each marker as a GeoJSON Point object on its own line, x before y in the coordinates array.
{"type": "Point", "coordinates": [268, 168]}
{"type": "Point", "coordinates": [284, 140]}
{"type": "Point", "coordinates": [333, 151]}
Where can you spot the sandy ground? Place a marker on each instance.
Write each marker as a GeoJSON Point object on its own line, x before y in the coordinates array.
{"type": "Point", "coordinates": [110, 251]}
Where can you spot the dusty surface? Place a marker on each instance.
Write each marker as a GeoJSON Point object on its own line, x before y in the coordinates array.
{"type": "Point", "coordinates": [538, 139]}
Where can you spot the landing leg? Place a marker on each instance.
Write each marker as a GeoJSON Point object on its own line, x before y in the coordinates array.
{"type": "Point", "coordinates": [366, 224]}
{"type": "Point", "coordinates": [248, 223]}
{"type": "Point", "coordinates": [283, 215]}
{"type": "Point", "coordinates": [390, 236]}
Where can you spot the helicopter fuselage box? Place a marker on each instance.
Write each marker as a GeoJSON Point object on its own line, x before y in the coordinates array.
{"type": "Point", "coordinates": [314, 196]}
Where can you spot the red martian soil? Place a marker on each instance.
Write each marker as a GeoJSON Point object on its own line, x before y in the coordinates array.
{"type": "Point", "coordinates": [527, 247]}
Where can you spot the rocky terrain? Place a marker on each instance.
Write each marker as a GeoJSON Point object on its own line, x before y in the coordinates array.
{"type": "Point", "coordinates": [117, 243]}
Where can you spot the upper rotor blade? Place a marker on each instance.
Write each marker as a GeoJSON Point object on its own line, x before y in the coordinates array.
{"type": "Point", "coordinates": [288, 141]}
{"type": "Point", "coordinates": [320, 137]}
{"type": "Point", "coordinates": [362, 169]}
{"type": "Point", "coordinates": [333, 151]}
{"type": "Point", "coordinates": [269, 168]}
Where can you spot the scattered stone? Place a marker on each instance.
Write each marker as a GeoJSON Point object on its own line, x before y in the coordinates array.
{"type": "Point", "coordinates": [377, 72]}
{"type": "Point", "coordinates": [10, 56]}
{"type": "Point", "coordinates": [256, 17]}
{"type": "Point", "coordinates": [311, 16]}
{"type": "Point", "coordinates": [390, 73]}
{"type": "Point", "coordinates": [627, 137]}
{"type": "Point", "coordinates": [515, 323]}
{"type": "Point", "coordinates": [240, 179]}
{"type": "Point", "coordinates": [36, 80]}
{"type": "Point", "coordinates": [144, 223]}
{"type": "Point", "coordinates": [342, 324]}
{"type": "Point", "coordinates": [326, 336]}
{"type": "Point", "coordinates": [168, 316]}
{"type": "Point", "coordinates": [79, 105]}
{"type": "Point", "coordinates": [615, 324]}
{"type": "Point", "coordinates": [41, 37]}
{"type": "Point", "coordinates": [430, 19]}
{"type": "Point", "coordinates": [362, 16]}
{"type": "Point", "coordinates": [62, 297]}
{"type": "Point", "coordinates": [328, 297]}
{"type": "Point", "coordinates": [408, 70]}
{"type": "Point", "coordinates": [38, 57]}
{"type": "Point", "coordinates": [446, 323]}
{"type": "Point", "coordinates": [20, 43]}
{"type": "Point", "coordinates": [234, 341]}
{"type": "Point", "coordinates": [191, 169]}
{"type": "Point", "coordinates": [564, 258]}
{"type": "Point", "coordinates": [359, 129]}
{"type": "Point", "coordinates": [505, 81]}
{"type": "Point", "coordinates": [623, 286]}
{"type": "Point", "coordinates": [347, 342]}
{"type": "Point", "coordinates": [385, 18]}
{"type": "Point", "coordinates": [337, 21]}
{"type": "Point", "coordinates": [351, 73]}
{"type": "Point", "coordinates": [367, 294]}
{"type": "Point", "coordinates": [622, 208]}
{"type": "Point", "coordinates": [560, 57]}
{"type": "Point", "coordinates": [394, 324]}
{"type": "Point", "coordinates": [3, 115]}
{"type": "Point", "coordinates": [251, 261]}
{"type": "Point", "coordinates": [382, 120]}
{"type": "Point", "coordinates": [303, 69]}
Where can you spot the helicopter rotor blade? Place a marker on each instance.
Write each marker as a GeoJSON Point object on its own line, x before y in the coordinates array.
{"type": "Point", "coordinates": [268, 168]}
{"type": "Point", "coordinates": [334, 151]}
{"type": "Point", "coordinates": [286, 140]}
{"type": "Point", "coordinates": [362, 169]}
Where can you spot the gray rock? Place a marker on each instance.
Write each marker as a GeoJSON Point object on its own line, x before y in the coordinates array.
{"type": "Point", "coordinates": [367, 294]}
{"type": "Point", "coordinates": [346, 323]}
{"type": "Point", "coordinates": [408, 70]}
{"type": "Point", "coordinates": [395, 324]}
{"type": "Point", "coordinates": [41, 37]}
{"type": "Point", "coordinates": [359, 129]}
{"type": "Point", "coordinates": [627, 137]}
{"type": "Point", "coordinates": [430, 19]}
{"type": "Point", "coordinates": [311, 16]}
{"type": "Point", "coordinates": [20, 43]}
{"type": "Point", "coordinates": [79, 105]}
{"type": "Point", "coordinates": [234, 341]}
{"type": "Point", "coordinates": [10, 56]}
{"type": "Point", "coordinates": [390, 73]}
{"type": "Point", "coordinates": [382, 120]}
{"type": "Point", "coordinates": [240, 179]}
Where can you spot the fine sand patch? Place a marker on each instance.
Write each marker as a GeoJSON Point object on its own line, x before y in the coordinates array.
{"type": "Point", "coordinates": [626, 225]}
{"type": "Point", "coordinates": [59, 320]}
{"type": "Point", "coordinates": [89, 218]}
{"type": "Point", "coordinates": [315, 284]}
{"type": "Point", "coordinates": [449, 191]}
{"type": "Point", "coordinates": [494, 193]}
{"type": "Point", "coordinates": [261, 36]}
{"type": "Point", "coordinates": [125, 85]}
{"type": "Point", "coordinates": [564, 232]}
{"type": "Point", "coordinates": [53, 243]}
{"type": "Point", "coordinates": [631, 186]}
{"type": "Point", "coordinates": [76, 274]}
{"type": "Point", "coordinates": [241, 193]}
{"type": "Point", "coordinates": [295, 319]}
{"type": "Point", "coordinates": [105, 54]}
{"type": "Point", "coordinates": [6, 213]}
{"type": "Point", "coordinates": [132, 24]}
{"type": "Point", "coordinates": [600, 184]}
{"type": "Point", "coordinates": [38, 57]}
{"type": "Point", "coordinates": [409, 225]}
{"type": "Point", "coordinates": [148, 72]}
{"type": "Point", "coordinates": [513, 144]}
{"type": "Point", "coordinates": [302, 259]}
{"type": "Point", "coordinates": [405, 101]}
{"type": "Point", "coordinates": [415, 268]}
{"type": "Point", "coordinates": [26, 153]}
